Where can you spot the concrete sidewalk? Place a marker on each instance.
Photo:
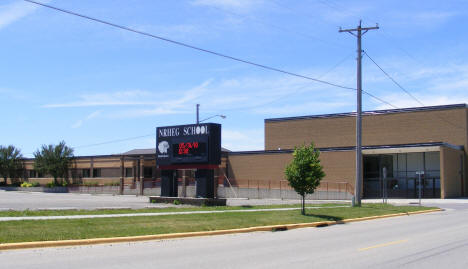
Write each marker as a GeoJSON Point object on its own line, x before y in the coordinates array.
{"type": "Point", "coordinates": [423, 201]}
{"type": "Point", "coordinates": [154, 214]}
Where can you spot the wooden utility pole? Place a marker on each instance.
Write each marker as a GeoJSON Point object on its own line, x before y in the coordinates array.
{"type": "Point", "coordinates": [358, 32]}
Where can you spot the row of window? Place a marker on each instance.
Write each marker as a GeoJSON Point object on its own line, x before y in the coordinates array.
{"type": "Point", "coordinates": [147, 172]}
{"type": "Point", "coordinates": [84, 173]}
{"type": "Point", "coordinates": [87, 172]}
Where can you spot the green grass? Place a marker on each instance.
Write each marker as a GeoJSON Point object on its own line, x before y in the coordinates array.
{"type": "Point", "coordinates": [27, 213]}
{"type": "Point", "coordinates": [44, 230]}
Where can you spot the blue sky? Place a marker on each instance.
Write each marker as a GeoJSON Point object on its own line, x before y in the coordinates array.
{"type": "Point", "coordinates": [66, 78]}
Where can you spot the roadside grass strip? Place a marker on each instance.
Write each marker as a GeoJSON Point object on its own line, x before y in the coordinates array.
{"type": "Point", "coordinates": [150, 209]}
{"type": "Point", "coordinates": [127, 229]}
{"type": "Point", "coordinates": [152, 214]}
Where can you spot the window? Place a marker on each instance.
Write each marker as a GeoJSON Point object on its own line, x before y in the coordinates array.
{"type": "Point", "coordinates": [147, 172]}
{"type": "Point", "coordinates": [32, 173]}
{"type": "Point", "coordinates": [128, 172]}
{"type": "Point", "coordinates": [86, 173]}
{"type": "Point", "coordinates": [97, 172]}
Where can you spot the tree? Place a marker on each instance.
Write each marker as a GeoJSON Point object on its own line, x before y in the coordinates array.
{"type": "Point", "coordinates": [11, 163]}
{"type": "Point", "coordinates": [305, 171]}
{"type": "Point", "coordinates": [54, 160]}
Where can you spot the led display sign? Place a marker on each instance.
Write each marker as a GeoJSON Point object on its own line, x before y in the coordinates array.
{"type": "Point", "coordinates": [188, 144]}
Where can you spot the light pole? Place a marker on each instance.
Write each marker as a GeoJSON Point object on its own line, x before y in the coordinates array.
{"type": "Point", "coordinates": [198, 113]}
{"type": "Point", "coordinates": [218, 115]}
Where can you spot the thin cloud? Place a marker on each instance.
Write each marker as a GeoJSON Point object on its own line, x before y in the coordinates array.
{"type": "Point", "coordinates": [79, 123]}
{"type": "Point", "coordinates": [239, 140]}
{"type": "Point", "coordinates": [241, 5]}
{"type": "Point", "coordinates": [15, 11]}
{"type": "Point", "coordinates": [120, 98]}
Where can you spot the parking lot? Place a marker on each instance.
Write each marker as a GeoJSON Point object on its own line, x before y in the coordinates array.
{"type": "Point", "coordinates": [16, 200]}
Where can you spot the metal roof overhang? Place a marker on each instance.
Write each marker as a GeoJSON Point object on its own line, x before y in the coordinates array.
{"type": "Point", "coordinates": [401, 150]}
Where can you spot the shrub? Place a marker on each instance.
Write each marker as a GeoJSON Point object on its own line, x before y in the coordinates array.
{"type": "Point", "coordinates": [35, 184]}
{"type": "Point", "coordinates": [176, 202]}
{"type": "Point", "coordinates": [26, 185]}
{"type": "Point", "coordinates": [50, 185]}
{"type": "Point", "coordinates": [112, 184]}
{"type": "Point", "coordinates": [91, 183]}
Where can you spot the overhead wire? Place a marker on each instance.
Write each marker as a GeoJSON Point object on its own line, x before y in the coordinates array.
{"type": "Point", "coordinates": [188, 45]}
{"type": "Point", "coordinates": [394, 81]}
{"type": "Point", "coordinates": [108, 142]}
{"type": "Point", "coordinates": [284, 29]}
{"type": "Point", "coordinates": [294, 92]}
{"type": "Point", "coordinates": [408, 92]}
{"type": "Point", "coordinates": [202, 49]}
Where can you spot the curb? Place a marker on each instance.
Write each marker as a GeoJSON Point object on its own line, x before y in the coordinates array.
{"type": "Point", "coordinates": [268, 228]}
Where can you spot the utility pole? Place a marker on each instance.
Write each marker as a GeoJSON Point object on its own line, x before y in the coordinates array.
{"type": "Point", "coordinates": [198, 114]}
{"type": "Point", "coordinates": [358, 32]}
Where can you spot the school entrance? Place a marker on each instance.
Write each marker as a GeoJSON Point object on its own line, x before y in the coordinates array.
{"type": "Point", "coordinates": [395, 173]}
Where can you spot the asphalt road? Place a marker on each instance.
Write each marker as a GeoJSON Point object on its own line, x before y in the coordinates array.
{"type": "Point", "coordinates": [434, 240]}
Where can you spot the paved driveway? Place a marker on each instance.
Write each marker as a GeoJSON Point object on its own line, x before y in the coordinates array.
{"type": "Point", "coordinates": [14, 200]}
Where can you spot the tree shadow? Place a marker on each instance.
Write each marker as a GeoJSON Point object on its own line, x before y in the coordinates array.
{"type": "Point", "coordinates": [326, 217]}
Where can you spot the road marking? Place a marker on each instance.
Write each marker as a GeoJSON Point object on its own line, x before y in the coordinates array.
{"type": "Point", "coordinates": [384, 244]}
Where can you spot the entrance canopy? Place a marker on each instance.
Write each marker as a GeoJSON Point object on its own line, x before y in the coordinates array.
{"type": "Point", "coordinates": [393, 170]}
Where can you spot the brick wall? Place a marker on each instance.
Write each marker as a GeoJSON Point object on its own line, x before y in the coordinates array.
{"type": "Point", "coordinates": [339, 166]}
{"type": "Point", "coordinates": [386, 129]}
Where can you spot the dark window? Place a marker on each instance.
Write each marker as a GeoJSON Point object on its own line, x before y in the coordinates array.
{"type": "Point", "coordinates": [128, 172]}
{"type": "Point", "coordinates": [39, 174]}
{"type": "Point", "coordinates": [86, 173]}
{"type": "Point", "coordinates": [32, 173]}
{"type": "Point", "coordinates": [97, 172]}
{"type": "Point", "coordinates": [147, 172]}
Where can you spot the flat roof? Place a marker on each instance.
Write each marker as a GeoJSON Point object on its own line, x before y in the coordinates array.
{"type": "Point", "coordinates": [371, 112]}
{"type": "Point", "coordinates": [364, 148]}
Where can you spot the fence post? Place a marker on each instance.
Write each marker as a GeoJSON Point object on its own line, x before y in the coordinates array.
{"type": "Point", "coordinates": [327, 192]}
{"type": "Point", "coordinates": [258, 189]}
{"type": "Point", "coordinates": [281, 191]}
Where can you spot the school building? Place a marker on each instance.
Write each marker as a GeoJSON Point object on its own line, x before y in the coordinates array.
{"type": "Point", "coordinates": [432, 139]}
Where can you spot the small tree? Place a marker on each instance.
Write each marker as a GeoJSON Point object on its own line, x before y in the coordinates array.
{"type": "Point", "coordinates": [54, 160]}
{"type": "Point", "coordinates": [11, 163]}
{"type": "Point", "coordinates": [305, 171]}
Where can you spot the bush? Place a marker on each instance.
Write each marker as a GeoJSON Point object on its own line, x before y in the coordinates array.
{"type": "Point", "coordinates": [91, 184]}
{"type": "Point", "coordinates": [26, 185]}
{"type": "Point", "coordinates": [112, 184]}
{"type": "Point", "coordinates": [50, 185]}
{"type": "Point", "coordinates": [35, 184]}
{"type": "Point", "coordinates": [176, 202]}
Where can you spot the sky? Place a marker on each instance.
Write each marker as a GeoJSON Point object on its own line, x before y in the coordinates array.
{"type": "Point", "coordinates": [103, 90]}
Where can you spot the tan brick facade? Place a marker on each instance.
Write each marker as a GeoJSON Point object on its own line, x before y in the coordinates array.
{"type": "Point", "coordinates": [396, 128]}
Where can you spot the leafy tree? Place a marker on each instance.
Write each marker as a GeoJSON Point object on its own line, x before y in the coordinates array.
{"type": "Point", "coordinates": [54, 160]}
{"type": "Point", "coordinates": [305, 171]}
{"type": "Point", "coordinates": [11, 163]}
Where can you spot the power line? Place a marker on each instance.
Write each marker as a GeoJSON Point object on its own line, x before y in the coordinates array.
{"type": "Point", "coordinates": [407, 92]}
{"type": "Point", "coordinates": [188, 45]}
{"type": "Point", "coordinates": [394, 81]}
{"type": "Point", "coordinates": [114, 141]}
{"type": "Point", "coordinates": [306, 35]}
{"type": "Point", "coordinates": [202, 49]}
{"type": "Point", "coordinates": [108, 142]}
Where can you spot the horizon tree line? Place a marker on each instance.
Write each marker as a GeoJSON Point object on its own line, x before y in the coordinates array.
{"type": "Point", "coordinates": [53, 160]}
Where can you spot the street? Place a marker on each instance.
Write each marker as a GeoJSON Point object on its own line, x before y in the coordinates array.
{"type": "Point", "coordinates": [432, 240]}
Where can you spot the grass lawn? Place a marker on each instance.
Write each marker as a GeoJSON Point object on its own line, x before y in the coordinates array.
{"type": "Point", "coordinates": [43, 230]}
{"type": "Point", "coordinates": [26, 213]}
